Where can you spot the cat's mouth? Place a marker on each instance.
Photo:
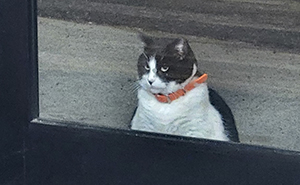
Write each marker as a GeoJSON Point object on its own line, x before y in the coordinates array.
{"type": "Point", "coordinates": [169, 88]}
{"type": "Point", "coordinates": [156, 90]}
{"type": "Point", "coordinates": [153, 89]}
{"type": "Point", "coordinates": [161, 88]}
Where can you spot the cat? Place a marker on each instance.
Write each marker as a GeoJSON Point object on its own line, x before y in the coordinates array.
{"type": "Point", "coordinates": [173, 97]}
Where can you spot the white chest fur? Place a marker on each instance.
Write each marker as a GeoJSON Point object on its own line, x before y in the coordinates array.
{"type": "Point", "coordinates": [191, 115]}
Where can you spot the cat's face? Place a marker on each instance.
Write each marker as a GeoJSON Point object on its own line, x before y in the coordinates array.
{"type": "Point", "coordinates": [165, 68]}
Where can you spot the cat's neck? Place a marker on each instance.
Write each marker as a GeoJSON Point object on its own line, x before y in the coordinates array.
{"type": "Point", "coordinates": [181, 92]}
{"type": "Point", "coordinates": [195, 74]}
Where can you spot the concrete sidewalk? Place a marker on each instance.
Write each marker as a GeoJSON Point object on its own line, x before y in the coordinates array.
{"type": "Point", "coordinates": [87, 74]}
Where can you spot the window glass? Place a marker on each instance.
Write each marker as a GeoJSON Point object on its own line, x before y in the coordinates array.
{"type": "Point", "coordinates": [87, 72]}
{"type": "Point", "coordinates": [89, 51]}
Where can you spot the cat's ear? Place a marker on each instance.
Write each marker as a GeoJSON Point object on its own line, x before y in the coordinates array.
{"type": "Point", "coordinates": [181, 47]}
{"type": "Point", "coordinates": [147, 40]}
{"type": "Point", "coordinates": [149, 48]}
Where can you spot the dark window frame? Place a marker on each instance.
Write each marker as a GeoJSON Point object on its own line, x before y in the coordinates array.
{"type": "Point", "coordinates": [35, 151]}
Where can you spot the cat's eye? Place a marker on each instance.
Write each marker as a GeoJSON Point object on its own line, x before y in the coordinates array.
{"type": "Point", "coordinates": [164, 69]}
{"type": "Point", "coordinates": [147, 67]}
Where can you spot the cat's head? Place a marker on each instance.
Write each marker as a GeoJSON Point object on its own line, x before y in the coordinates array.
{"type": "Point", "coordinates": [166, 65]}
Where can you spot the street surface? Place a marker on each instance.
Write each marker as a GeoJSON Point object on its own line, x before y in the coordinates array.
{"type": "Point", "coordinates": [87, 74]}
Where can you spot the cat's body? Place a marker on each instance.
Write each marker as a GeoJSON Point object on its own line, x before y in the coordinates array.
{"type": "Point", "coordinates": [195, 113]}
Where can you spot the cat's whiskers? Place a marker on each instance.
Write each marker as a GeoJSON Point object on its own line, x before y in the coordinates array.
{"type": "Point", "coordinates": [134, 86]}
{"type": "Point", "coordinates": [130, 88]}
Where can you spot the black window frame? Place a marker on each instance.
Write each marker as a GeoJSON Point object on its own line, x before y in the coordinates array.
{"type": "Point", "coordinates": [35, 151]}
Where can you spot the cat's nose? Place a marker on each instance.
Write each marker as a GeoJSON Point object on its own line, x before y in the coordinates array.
{"type": "Point", "coordinates": [150, 82]}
